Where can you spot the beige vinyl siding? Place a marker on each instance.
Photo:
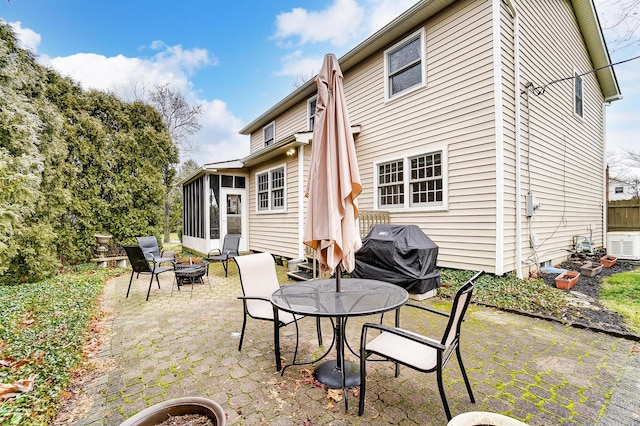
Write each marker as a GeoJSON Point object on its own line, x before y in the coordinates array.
{"type": "Point", "coordinates": [565, 152]}
{"type": "Point", "coordinates": [273, 232]}
{"type": "Point", "coordinates": [294, 120]}
{"type": "Point", "coordinates": [455, 110]}
{"type": "Point", "coordinates": [257, 140]}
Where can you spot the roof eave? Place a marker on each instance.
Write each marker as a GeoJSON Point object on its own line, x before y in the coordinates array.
{"type": "Point", "coordinates": [596, 46]}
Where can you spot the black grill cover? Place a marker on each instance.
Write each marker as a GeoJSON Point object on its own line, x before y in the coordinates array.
{"type": "Point", "coordinates": [399, 254]}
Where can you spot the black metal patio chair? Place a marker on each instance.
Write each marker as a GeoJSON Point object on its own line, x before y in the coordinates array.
{"type": "Point", "coordinates": [416, 351]}
{"type": "Point", "coordinates": [230, 247]}
{"type": "Point", "coordinates": [151, 250]}
{"type": "Point", "coordinates": [143, 265]}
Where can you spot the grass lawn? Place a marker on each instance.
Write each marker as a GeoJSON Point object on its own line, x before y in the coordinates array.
{"type": "Point", "coordinates": [621, 293]}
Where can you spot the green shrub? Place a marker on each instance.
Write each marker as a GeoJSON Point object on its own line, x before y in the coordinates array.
{"type": "Point", "coordinates": [43, 328]}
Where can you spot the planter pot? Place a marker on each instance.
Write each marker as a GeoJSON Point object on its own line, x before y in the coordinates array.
{"type": "Point", "coordinates": [158, 413]}
{"type": "Point", "coordinates": [566, 280]}
{"type": "Point", "coordinates": [608, 261]}
{"type": "Point", "coordinates": [475, 418]}
{"type": "Point", "coordinates": [590, 269]}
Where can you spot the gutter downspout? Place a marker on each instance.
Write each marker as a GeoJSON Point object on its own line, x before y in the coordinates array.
{"type": "Point", "coordinates": [499, 132]}
{"type": "Point", "coordinates": [301, 189]}
{"type": "Point", "coordinates": [605, 192]}
{"type": "Point", "coordinates": [516, 96]}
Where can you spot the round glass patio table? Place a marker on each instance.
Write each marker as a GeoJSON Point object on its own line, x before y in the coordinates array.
{"type": "Point", "coordinates": [357, 297]}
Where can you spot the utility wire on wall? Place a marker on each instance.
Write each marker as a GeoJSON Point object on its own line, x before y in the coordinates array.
{"type": "Point", "coordinates": [541, 89]}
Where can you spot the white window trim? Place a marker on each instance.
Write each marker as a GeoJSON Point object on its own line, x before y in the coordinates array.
{"type": "Point", "coordinates": [311, 99]}
{"type": "Point", "coordinates": [576, 76]}
{"type": "Point", "coordinates": [423, 64]}
{"type": "Point", "coordinates": [264, 140]}
{"type": "Point", "coordinates": [271, 210]}
{"type": "Point", "coordinates": [406, 167]}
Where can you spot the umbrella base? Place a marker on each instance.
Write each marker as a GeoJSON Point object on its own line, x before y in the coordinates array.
{"type": "Point", "coordinates": [330, 375]}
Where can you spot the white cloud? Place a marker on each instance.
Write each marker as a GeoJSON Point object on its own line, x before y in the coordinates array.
{"type": "Point", "coordinates": [219, 140]}
{"type": "Point", "coordinates": [338, 24]}
{"type": "Point", "coordinates": [171, 64]}
{"type": "Point", "coordinates": [298, 65]}
{"type": "Point", "coordinates": [28, 38]}
{"type": "Point", "coordinates": [95, 71]}
{"type": "Point", "coordinates": [175, 56]}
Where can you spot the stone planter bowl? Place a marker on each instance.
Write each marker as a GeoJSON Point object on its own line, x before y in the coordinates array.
{"type": "Point", "coordinates": [102, 239]}
{"type": "Point", "coordinates": [158, 413]}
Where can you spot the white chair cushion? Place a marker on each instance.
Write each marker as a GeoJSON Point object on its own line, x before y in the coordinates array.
{"type": "Point", "coordinates": [264, 310]}
{"type": "Point", "coordinates": [412, 353]}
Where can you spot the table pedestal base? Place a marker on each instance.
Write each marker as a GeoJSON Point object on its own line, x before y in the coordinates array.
{"type": "Point", "coordinates": [330, 375]}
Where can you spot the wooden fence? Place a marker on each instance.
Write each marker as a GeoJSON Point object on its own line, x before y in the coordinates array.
{"type": "Point", "coordinates": [623, 215]}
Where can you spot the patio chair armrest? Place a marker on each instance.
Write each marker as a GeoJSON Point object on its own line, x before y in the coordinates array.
{"type": "Point", "coordinates": [212, 252]}
{"type": "Point", "coordinates": [428, 309]}
{"type": "Point", "coordinates": [164, 251]}
{"type": "Point", "coordinates": [402, 333]}
{"type": "Point", "coordinates": [265, 299]}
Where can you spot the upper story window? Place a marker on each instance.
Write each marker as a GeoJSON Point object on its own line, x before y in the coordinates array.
{"type": "Point", "coordinates": [405, 65]}
{"type": "Point", "coordinates": [578, 96]}
{"type": "Point", "coordinates": [271, 190]}
{"type": "Point", "coordinates": [422, 186]}
{"type": "Point", "coordinates": [269, 133]}
{"type": "Point", "coordinates": [311, 112]}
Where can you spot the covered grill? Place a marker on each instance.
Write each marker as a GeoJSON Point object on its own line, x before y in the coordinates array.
{"type": "Point", "coordinates": [399, 254]}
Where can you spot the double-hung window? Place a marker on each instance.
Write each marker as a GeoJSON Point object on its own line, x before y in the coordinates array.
{"type": "Point", "coordinates": [417, 181]}
{"type": "Point", "coordinates": [578, 96]}
{"type": "Point", "coordinates": [271, 190]}
{"type": "Point", "coordinates": [405, 65]}
{"type": "Point", "coordinates": [269, 133]}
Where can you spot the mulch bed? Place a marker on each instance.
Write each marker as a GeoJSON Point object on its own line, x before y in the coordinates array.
{"type": "Point", "coordinates": [586, 308]}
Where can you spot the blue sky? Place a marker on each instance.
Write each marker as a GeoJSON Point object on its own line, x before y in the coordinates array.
{"type": "Point", "coordinates": [236, 58]}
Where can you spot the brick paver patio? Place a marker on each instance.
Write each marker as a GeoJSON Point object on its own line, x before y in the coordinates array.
{"type": "Point", "coordinates": [175, 345]}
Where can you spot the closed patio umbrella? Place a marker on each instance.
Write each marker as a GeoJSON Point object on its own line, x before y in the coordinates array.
{"type": "Point", "coordinates": [331, 226]}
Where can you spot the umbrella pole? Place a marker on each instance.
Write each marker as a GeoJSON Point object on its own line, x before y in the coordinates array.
{"type": "Point", "coordinates": [338, 274]}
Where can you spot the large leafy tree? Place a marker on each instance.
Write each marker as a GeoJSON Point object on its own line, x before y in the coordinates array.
{"type": "Point", "coordinates": [21, 162]}
{"type": "Point", "coordinates": [72, 163]}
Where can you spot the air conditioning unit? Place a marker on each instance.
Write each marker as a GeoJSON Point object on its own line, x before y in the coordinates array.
{"type": "Point", "coordinates": [624, 245]}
